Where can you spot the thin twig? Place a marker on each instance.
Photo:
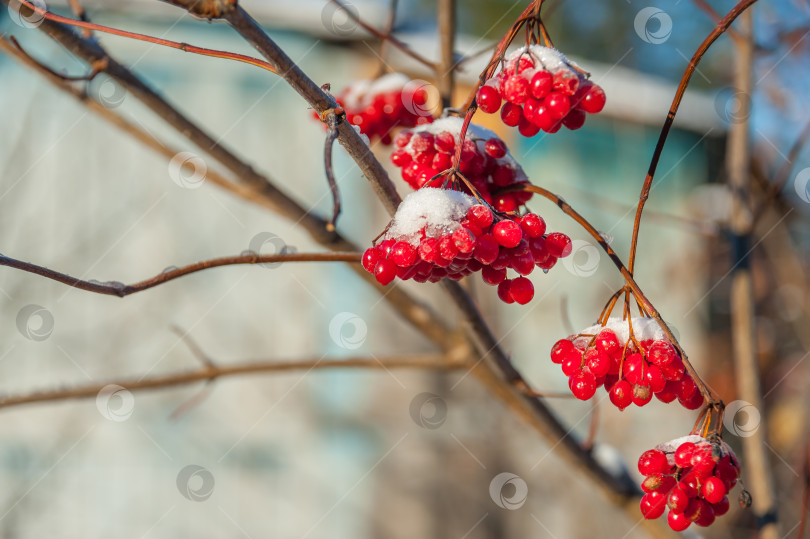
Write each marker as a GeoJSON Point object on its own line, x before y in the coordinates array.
{"type": "Point", "coordinates": [384, 36]}
{"type": "Point", "coordinates": [114, 288]}
{"type": "Point", "coordinates": [427, 361]}
{"type": "Point", "coordinates": [331, 135]}
{"type": "Point", "coordinates": [721, 27]}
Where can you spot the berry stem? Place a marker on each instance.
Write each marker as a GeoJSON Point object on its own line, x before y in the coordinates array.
{"type": "Point", "coordinates": [721, 27]}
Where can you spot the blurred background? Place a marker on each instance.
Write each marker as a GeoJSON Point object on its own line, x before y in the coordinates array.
{"type": "Point", "coordinates": [378, 453]}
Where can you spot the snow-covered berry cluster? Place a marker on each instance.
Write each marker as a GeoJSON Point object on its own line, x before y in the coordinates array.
{"type": "Point", "coordinates": [440, 233]}
{"type": "Point", "coordinates": [632, 370]}
{"type": "Point", "coordinates": [377, 106]}
{"type": "Point", "coordinates": [692, 477]}
{"type": "Point", "coordinates": [540, 89]}
{"type": "Point", "coordinates": [424, 152]}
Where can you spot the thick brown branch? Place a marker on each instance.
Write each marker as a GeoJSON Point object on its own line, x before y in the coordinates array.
{"type": "Point", "coordinates": [207, 373]}
{"type": "Point", "coordinates": [114, 288]}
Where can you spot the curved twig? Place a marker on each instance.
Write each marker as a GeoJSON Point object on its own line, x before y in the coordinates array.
{"type": "Point", "coordinates": [114, 288]}
{"type": "Point", "coordinates": [721, 27]}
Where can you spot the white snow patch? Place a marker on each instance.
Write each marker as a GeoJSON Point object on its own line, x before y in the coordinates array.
{"type": "Point", "coordinates": [643, 329]}
{"type": "Point", "coordinates": [545, 59]}
{"type": "Point", "coordinates": [671, 446]}
{"type": "Point", "coordinates": [437, 211]}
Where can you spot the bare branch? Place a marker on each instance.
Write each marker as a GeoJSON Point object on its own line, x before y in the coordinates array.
{"type": "Point", "coordinates": [427, 361]}
{"type": "Point", "coordinates": [114, 288]}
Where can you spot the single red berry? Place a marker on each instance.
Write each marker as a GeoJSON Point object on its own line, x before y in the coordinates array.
{"type": "Point", "coordinates": [594, 100]}
{"type": "Point", "coordinates": [706, 517]}
{"type": "Point", "coordinates": [713, 490]}
{"type": "Point", "coordinates": [541, 84]}
{"type": "Point", "coordinates": [429, 249]}
{"type": "Point", "coordinates": [678, 500]}
{"type": "Point", "coordinates": [493, 276]}
{"type": "Point", "coordinates": [669, 393]}
{"type": "Point", "coordinates": [465, 240]}
{"type": "Point", "coordinates": [480, 215]}
{"type": "Point", "coordinates": [527, 128]}
{"type": "Point", "coordinates": [621, 394]}
{"type": "Point", "coordinates": [403, 139]}
{"type": "Point", "coordinates": [571, 364]}
{"type": "Point", "coordinates": [558, 104]}
{"type": "Point", "coordinates": [521, 290]}
{"type": "Point", "coordinates": [444, 142]}
{"type": "Point", "coordinates": [674, 370]}
{"type": "Point", "coordinates": [486, 250]}
{"type": "Point", "coordinates": [403, 254]}
{"type": "Point", "coordinates": [511, 114]}
{"type": "Point", "coordinates": [370, 258]}
{"type": "Point", "coordinates": [582, 384]}
{"type": "Point", "coordinates": [385, 271]}
{"type": "Point", "coordinates": [558, 244]}
{"type": "Point", "coordinates": [400, 158]}
{"type": "Point", "coordinates": [422, 142]}
{"type": "Point", "coordinates": [634, 368]}
{"type": "Point", "coordinates": [641, 395]}
{"type": "Point", "coordinates": [597, 361]}
{"type": "Point", "coordinates": [694, 509]}
{"type": "Point", "coordinates": [488, 99]}
{"type": "Point", "coordinates": [495, 147]}
{"type": "Point", "coordinates": [507, 233]}
{"type": "Point", "coordinates": [562, 349]}
{"type": "Point", "coordinates": [503, 291]}
{"type": "Point", "coordinates": [658, 482]}
{"type": "Point", "coordinates": [607, 341]}
{"type": "Point", "coordinates": [447, 247]}
{"type": "Point", "coordinates": [655, 379]}
{"type": "Point", "coordinates": [694, 403]}
{"type": "Point", "coordinates": [687, 388]}
{"type": "Point", "coordinates": [566, 82]}
{"type": "Point", "coordinates": [653, 505]}
{"type": "Point", "coordinates": [683, 455]}
{"type": "Point", "coordinates": [505, 203]}
{"type": "Point", "coordinates": [653, 461]}
{"type": "Point", "coordinates": [574, 119]}
{"type": "Point", "coordinates": [516, 89]}
{"type": "Point", "coordinates": [677, 522]}
{"type": "Point", "coordinates": [661, 353]}
{"type": "Point", "coordinates": [721, 507]}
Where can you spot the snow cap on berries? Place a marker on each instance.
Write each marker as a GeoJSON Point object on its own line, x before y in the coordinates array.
{"type": "Point", "coordinates": [436, 211]}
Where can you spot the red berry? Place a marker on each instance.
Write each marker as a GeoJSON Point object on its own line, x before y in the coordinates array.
{"type": "Point", "coordinates": [511, 114]}
{"type": "Point", "coordinates": [558, 245]}
{"type": "Point", "coordinates": [464, 240]}
{"type": "Point", "coordinates": [721, 507]}
{"type": "Point", "coordinates": [403, 254]}
{"type": "Point", "coordinates": [683, 455]}
{"type": "Point", "coordinates": [503, 291]}
{"type": "Point", "coordinates": [516, 89]}
{"type": "Point", "coordinates": [507, 233]}
{"type": "Point", "coordinates": [558, 104]}
{"type": "Point", "coordinates": [562, 349]}
{"type": "Point", "coordinates": [678, 500]}
{"type": "Point", "coordinates": [677, 521]}
{"type": "Point", "coordinates": [658, 482]}
{"type": "Point", "coordinates": [661, 353]}
{"type": "Point", "coordinates": [480, 215]}
{"type": "Point", "coordinates": [422, 142]}
{"type": "Point", "coordinates": [444, 142]}
{"type": "Point", "coordinates": [385, 271]}
{"type": "Point", "coordinates": [400, 158]}
{"type": "Point", "coordinates": [429, 249]}
{"type": "Point", "coordinates": [706, 517]}
{"type": "Point", "coordinates": [574, 119]}
{"type": "Point", "coordinates": [694, 403]}
{"type": "Point", "coordinates": [655, 379]}
{"type": "Point", "coordinates": [641, 395]}
{"type": "Point", "coordinates": [503, 175]}
{"type": "Point", "coordinates": [594, 100]}
{"type": "Point", "coordinates": [571, 364]}
{"type": "Point", "coordinates": [652, 462]}
{"type": "Point", "coordinates": [488, 99]}
{"type": "Point", "coordinates": [607, 341]}
{"type": "Point", "coordinates": [582, 384]}
{"type": "Point", "coordinates": [495, 147]}
{"type": "Point", "coordinates": [566, 82]}
{"type": "Point", "coordinates": [597, 361]}
{"type": "Point", "coordinates": [527, 128]}
{"type": "Point", "coordinates": [621, 394]}
{"type": "Point", "coordinates": [653, 505]}
{"type": "Point", "coordinates": [541, 84]}
{"type": "Point", "coordinates": [713, 490]}
{"type": "Point", "coordinates": [486, 250]}
{"type": "Point", "coordinates": [493, 276]}
{"type": "Point", "coordinates": [522, 291]}
{"type": "Point", "coordinates": [505, 203]}
{"type": "Point", "coordinates": [370, 258]}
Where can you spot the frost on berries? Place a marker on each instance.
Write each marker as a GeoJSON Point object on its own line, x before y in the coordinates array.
{"type": "Point", "coordinates": [428, 150]}
{"type": "Point", "coordinates": [376, 106]}
{"type": "Point", "coordinates": [537, 89]}
{"type": "Point", "coordinates": [442, 233]}
{"type": "Point", "coordinates": [691, 476]}
{"type": "Point", "coordinates": [632, 370]}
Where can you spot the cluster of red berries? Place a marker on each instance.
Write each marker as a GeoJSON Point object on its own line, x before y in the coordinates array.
{"type": "Point", "coordinates": [630, 374]}
{"type": "Point", "coordinates": [378, 106]}
{"type": "Point", "coordinates": [540, 90]}
{"type": "Point", "coordinates": [424, 152]}
{"type": "Point", "coordinates": [692, 477]}
{"type": "Point", "coordinates": [440, 233]}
